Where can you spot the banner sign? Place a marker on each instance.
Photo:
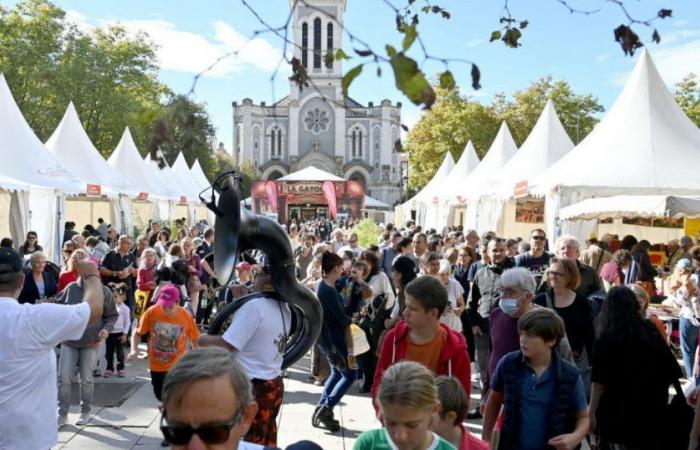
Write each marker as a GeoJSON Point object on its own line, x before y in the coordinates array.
{"type": "Point", "coordinates": [94, 189]}
{"type": "Point", "coordinates": [521, 189]}
{"type": "Point", "coordinates": [143, 196]}
{"type": "Point", "coordinates": [183, 200]}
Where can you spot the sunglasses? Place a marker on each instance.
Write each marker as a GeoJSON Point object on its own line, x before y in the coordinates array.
{"type": "Point", "coordinates": [209, 434]}
{"type": "Point", "coordinates": [538, 238]}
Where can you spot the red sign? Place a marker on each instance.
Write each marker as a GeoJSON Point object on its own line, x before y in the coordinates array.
{"type": "Point", "coordinates": [183, 200]}
{"type": "Point", "coordinates": [143, 196]}
{"type": "Point", "coordinates": [94, 189]}
{"type": "Point", "coordinates": [461, 200]}
{"type": "Point", "coordinates": [521, 189]}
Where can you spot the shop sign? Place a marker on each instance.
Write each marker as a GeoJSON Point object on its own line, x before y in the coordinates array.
{"type": "Point", "coordinates": [300, 188]}
{"type": "Point", "coordinates": [94, 189]}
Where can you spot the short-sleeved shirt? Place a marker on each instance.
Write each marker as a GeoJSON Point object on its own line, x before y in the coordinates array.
{"type": "Point", "coordinates": [166, 342]}
{"type": "Point", "coordinates": [536, 265]}
{"type": "Point", "coordinates": [429, 353]}
{"type": "Point", "coordinates": [114, 261]}
{"type": "Point", "coordinates": [257, 332]}
{"type": "Point", "coordinates": [535, 397]}
{"type": "Point", "coordinates": [28, 390]}
{"type": "Point", "coordinates": [454, 290]}
{"type": "Point", "coordinates": [379, 440]}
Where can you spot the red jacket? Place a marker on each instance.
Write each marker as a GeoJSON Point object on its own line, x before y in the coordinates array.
{"type": "Point", "coordinates": [454, 360]}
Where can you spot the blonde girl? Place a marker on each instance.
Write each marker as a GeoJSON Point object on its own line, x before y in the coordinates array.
{"type": "Point", "coordinates": [408, 400]}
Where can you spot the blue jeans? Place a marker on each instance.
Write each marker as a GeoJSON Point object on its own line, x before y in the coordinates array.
{"type": "Point", "coordinates": [689, 342]}
{"type": "Point", "coordinates": [336, 386]}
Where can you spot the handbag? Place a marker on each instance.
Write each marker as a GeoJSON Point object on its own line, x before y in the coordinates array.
{"type": "Point", "coordinates": [678, 418]}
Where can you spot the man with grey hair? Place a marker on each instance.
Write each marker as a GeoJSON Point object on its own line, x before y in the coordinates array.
{"type": "Point", "coordinates": [208, 401]}
{"type": "Point", "coordinates": [119, 266]}
{"type": "Point", "coordinates": [568, 247]}
{"type": "Point", "coordinates": [517, 291]}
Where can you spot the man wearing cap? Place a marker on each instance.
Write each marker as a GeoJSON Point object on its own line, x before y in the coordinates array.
{"type": "Point", "coordinates": [29, 334]}
{"type": "Point", "coordinates": [83, 351]}
{"type": "Point", "coordinates": [169, 325]}
{"type": "Point", "coordinates": [258, 336]}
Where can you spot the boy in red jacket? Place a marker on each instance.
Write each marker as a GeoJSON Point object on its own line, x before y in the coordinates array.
{"type": "Point", "coordinates": [422, 338]}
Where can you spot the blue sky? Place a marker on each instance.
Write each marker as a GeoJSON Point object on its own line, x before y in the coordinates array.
{"type": "Point", "coordinates": [577, 48]}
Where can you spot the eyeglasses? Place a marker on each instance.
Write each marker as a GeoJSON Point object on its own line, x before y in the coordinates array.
{"type": "Point", "coordinates": [209, 434]}
{"type": "Point", "coordinates": [538, 238]}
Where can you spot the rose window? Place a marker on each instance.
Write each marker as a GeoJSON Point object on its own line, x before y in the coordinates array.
{"type": "Point", "coordinates": [316, 121]}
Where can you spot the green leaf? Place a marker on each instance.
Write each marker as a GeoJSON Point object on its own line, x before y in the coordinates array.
{"type": "Point", "coordinates": [341, 55]}
{"type": "Point", "coordinates": [524, 24]}
{"type": "Point", "coordinates": [391, 51]}
{"type": "Point", "coordinates": [363, 53]}
{"type": "Point", "coordinates": [349, 77]}
{"type": "Point", "coordinates": [411, 80]}
{"type": "Point", "coordinates": [410, 36]}
{"type": "Point", "coordinates": [476, 77]}
{"type": "Point", "coordinates": [425, 9]}
{"type": "Point", "coordinates": [447, 80]}
{"type": "Point", "coordinates": [496, 35]}
{"type": "Point", "coordinates": [512, 37]}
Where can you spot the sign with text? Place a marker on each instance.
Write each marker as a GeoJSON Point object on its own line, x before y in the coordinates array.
{"type": "Point", "coordinates": [521, 189]}
{"type": "Point", "coordinates": [143, 196]}
{"type": "Point", "coordinates": [94, 189]}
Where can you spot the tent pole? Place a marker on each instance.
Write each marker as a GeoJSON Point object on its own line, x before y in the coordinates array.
{"type": "Point", "coordinates": [557, 205]}
{"type": "Point", "coordinates": [59, 237]}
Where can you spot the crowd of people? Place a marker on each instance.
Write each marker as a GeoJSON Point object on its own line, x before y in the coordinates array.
{"type": "Point", "coordinates": [558, 339]}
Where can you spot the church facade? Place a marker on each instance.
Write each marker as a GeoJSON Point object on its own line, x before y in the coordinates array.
{"type": "Point", "coordinates": [317, 125]}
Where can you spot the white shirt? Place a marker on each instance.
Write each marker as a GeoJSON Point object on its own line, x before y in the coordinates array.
{"type": "Point", "coordinates": [454, 290]}
{"type": "Point", "coordinates": [357, 251]}
{"type": "Point", "coordinates": [256, 333]}
{"type": "Point", "coordinates": [28, 393]}
{"type": "Point", "coordinates": [380, 284]}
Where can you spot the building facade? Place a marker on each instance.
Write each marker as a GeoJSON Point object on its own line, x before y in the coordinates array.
{"type": "Point", "coordinates": [317, 125]}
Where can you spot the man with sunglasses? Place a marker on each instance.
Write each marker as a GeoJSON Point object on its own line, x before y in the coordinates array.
{"type": "Point", "coordinates": [537, 259]}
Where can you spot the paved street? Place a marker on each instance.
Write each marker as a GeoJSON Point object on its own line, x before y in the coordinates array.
{"type": "Point", "coordinates": [134, 424]}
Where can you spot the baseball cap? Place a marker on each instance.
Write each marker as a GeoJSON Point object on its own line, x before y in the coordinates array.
{"type": "Point", "coordinates": [10, 262]}
{"type": "Point", "coordinates": [168, 295]}
{"type": "Point", "coordinates": [244, 266]}
{"type": "Point", "coordinates": [684, 264]}
{"type": "Point", "coordinates": [685, 240]}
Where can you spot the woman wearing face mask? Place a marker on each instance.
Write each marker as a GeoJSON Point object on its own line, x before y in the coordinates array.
{"type": "Point", "coordinates": [563, 279]}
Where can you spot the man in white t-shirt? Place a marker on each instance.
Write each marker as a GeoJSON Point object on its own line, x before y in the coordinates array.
{"type": "Point", "coordinates": [29, 333]}
{"type": "Point", "coordinates": [352, 247]}
{"type": "Point", "coordinates": [258, 334]}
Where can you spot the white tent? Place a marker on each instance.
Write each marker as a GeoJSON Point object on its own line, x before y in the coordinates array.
{"type": "Point", "coordinates": [632, 206]}
{"type": "Point", "coordinates": [183, 174]}
{"type": "Point", "coordinates": [127, 160]}
{"type": "Point", "coordinates": [439, 210]}
{"type": "Point", "coordinates": [311, 173]}
{"type": "Point", "coordinates": [644, 145]}
{"type": "Point", "coordinates": [426, 194]}
{"type": "Point", "coordinates": [198, 175]}
{"type": "Point", "coordinates": [70, 144]}
{"type": "Point", "coordinates": [172, 184]}
{"type": "Point", "coordinates": [502, 149]}
{"type": "Point", "coordinates": [27, 162]}
{"type": "Point", "coordinates": [546, 144]}
{"type": "Point", "coordinates": [24, 156]}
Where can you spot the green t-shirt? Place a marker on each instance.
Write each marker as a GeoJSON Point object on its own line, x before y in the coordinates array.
{"type": "Point", "coordinates": [379, 440]}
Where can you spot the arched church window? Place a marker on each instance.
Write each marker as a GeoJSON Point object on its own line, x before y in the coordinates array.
{"type": "Point", "coordinates": [305, 44]}
{"type": "Point", "coordinates": [377, 139]}
{"type": "Point", "coordinates": [276, 142]}
{"type": "Point", "coordinates": [329, 44]}
{"type": "Point", "coordinates": [357, 143]}
{"type": "Point", "coordinates": [317, 43]}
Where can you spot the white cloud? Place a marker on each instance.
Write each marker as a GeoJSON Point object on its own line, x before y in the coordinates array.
{"type": "Point", "coordinates": [189, 52]}
{"type": "Point", "coordinates": [602, 58]}
{"type": "Point", "coordinates": [475, 43]}
{"type": "Point", "coordinates": [676, 62]}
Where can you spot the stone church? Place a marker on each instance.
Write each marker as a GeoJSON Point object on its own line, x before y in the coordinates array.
{"type": "Point", "coordinates": [317, 125]}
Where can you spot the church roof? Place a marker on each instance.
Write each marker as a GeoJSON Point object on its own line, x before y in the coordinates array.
{"type": "Point", "coordinates": [350, 102]}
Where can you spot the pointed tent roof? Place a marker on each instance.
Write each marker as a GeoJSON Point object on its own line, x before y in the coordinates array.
{"type": "Point", "coordinates": [166, 179]}
{"type": "Point", "coordinates": [25, 159]}
{"type": "Point", "coordinates": [502, 149]}
{"type": "Point", "coordinates": [182, 171]}
{"type": "Point", "coordinates": [547, 143]}
{"type": "Point", "coordinates": [311, 173]}
{"type": "Point", "coordinates": [466, 163]}
{"type": "Point", "coordinates": [448, 163]}
{"type": "Point", "coordinates": [645, 131]}
{"type": "Point", "coordinates": [198, 175]}
{"type": "Point", "coordinates": [126, 159]}
{"type": "Point", "coordinates": [70, 143]}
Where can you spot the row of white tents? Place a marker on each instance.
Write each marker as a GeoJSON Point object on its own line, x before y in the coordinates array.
{"type": "Point", "coordinates": [642, 152]}
{"type": "Point", "coordinates": [43, 185]}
